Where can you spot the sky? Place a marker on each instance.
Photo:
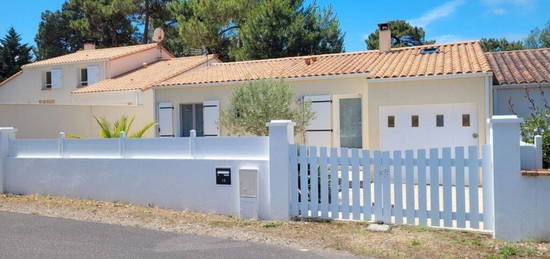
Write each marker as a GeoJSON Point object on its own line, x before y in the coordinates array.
{"type": "Point", "coordinates": [443, 21]}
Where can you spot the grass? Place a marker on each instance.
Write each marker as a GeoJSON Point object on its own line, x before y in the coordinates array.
{"type": "Point", "coordinates": [311, 233]}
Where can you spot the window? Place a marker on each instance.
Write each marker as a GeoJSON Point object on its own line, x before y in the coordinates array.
{"type": "Point", "coordinates": [192, 119]}
{"type": "Point", "coordinates": [391, 121]}
{"type": "Point", "coordinates": [83, 77]}
{"type": "Point", "coordinates": [48, 82]}
{"type": "Point", "coordinates": [429, 50]}
{"type": "Point", "coordinates": [465, 120]}
{"type": "Point", "coordinates": [414, 121]}
{"type": "Point", "coordinates": [439, 120]}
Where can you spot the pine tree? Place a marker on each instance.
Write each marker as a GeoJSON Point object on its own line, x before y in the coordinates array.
{"type": "Point", "coordinates": [403, 34]}
{"type": "Point", "coordinates": [13, 54]}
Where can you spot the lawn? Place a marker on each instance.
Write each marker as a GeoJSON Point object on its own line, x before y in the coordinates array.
{"type": "Point", "coordinates": [348, 237]}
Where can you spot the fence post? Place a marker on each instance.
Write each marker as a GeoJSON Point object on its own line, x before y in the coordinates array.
{"type": "Point", "coordinates": [60, 144]}
{"type": "Point", "coordinates": [5, 135]}
{"type": "Point", "coordinates": [192, 143]}
{"type": "Point", "coordinates": [538, 146]}
{"type": "Point", "coordinates": [509, 191]}
{"type": "Point", "coordinates": [281, 135]}
{"type": "Point", "coordinates": [122, 144]}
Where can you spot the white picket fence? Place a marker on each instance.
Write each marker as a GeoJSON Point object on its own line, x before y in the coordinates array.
{"type": "Point", "coordinates": [393, 187]}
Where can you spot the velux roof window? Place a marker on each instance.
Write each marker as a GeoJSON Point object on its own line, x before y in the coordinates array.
{"type": "Point", "coordinates": [429, 50]}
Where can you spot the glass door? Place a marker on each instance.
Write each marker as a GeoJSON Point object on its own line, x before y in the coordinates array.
{"type": "Point", "coordinates": [191, 118]}
{"type": "Point", "coordinates": [351, 135]}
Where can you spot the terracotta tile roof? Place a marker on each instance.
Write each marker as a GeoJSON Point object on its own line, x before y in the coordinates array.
{"type": "Point", "coordinates": [94, 55]}
{"type": "Point", "coordinates": [452, 58]}
{"type": "Point", "coordinates": [145, 77]}
{"type": "Point", "coordinates": [11, 77]}
{"type": "Point", "coordinates": [530, 66]}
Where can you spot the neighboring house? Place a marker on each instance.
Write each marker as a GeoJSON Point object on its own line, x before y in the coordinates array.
{"type": "Point", "coordinates": [521, 79]}
{"type": "Point", "coordinates": [391, 99]}
{"type": "Point", "coordinates": [64, 93]}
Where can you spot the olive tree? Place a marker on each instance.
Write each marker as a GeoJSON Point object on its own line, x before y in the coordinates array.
{"type": "Point", "coordinates": [259, 102]}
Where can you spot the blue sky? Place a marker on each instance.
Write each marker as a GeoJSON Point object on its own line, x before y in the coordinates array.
{"type": "Point", "coordinates": [444, 21]}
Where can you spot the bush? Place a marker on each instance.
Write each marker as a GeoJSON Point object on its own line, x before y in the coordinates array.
{"type": "Point", "coordinates": [258, 103]}
{"type": "Point", "coordinates": [535, 125]}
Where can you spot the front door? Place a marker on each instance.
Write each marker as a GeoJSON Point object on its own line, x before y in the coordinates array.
{"type": "Point", "coordinates": [351, 135]}
{"type": "Point", "coordinates": [191, 119]}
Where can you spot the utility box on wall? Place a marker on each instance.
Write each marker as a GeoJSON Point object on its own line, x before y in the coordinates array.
{"type": "Point", "coordinates": [248, 192]}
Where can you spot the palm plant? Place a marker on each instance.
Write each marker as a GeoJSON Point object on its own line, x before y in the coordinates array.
{"type": "Point", "coordinates": [124, 124]}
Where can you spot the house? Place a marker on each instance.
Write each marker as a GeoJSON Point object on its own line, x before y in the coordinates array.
{"type": "Point", "coordinates": [521, 80]}
{"type": "Point", "coordinates": [391, 99]}
{"type": "Point", "coordinates": [62, 94]}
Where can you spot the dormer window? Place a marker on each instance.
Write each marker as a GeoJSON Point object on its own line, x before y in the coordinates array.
{"type": "Point", "coordinates": [429, 50]}
{"type": "Point", "coordinates": [84, 77]}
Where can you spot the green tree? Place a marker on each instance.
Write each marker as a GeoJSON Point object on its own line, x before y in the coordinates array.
{"type": "Point", "coordinates": [538, 38]}
{"type": "Point", "coordinates": [210, 24]}
{"type": "Point", "coordinates": [502, 44]}
{"type": "Point", "coordinates": [152, 14]}
{"type": "Point", "coordinates": [260, 102]}
{"type": "Point", "coordinates": [108, 23]}
{"type": "Point", "coordinates": [13, 54]}
{"type": "Point", "coordinates": [403, 34]}
{"type": "Point", "coordinates": [282, 28]}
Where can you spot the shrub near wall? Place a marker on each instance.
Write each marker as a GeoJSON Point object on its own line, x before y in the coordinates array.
{"type": "Point", "coordinates": [538, 125]}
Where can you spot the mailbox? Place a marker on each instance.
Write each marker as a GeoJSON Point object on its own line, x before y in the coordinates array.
{"type": "Point", "coordinates": [223, 176]}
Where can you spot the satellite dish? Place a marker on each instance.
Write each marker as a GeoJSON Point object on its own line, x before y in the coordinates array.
{"type": "Point", "coordinates": [158, 35]}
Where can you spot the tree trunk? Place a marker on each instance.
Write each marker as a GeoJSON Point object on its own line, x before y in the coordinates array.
{"type": "Point", "coordinates": [145, 39]}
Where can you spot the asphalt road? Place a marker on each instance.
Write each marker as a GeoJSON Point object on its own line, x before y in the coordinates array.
{"type": "Point", "coordinates": [30, 236]}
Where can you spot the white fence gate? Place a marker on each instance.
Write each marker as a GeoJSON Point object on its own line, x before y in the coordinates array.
{"type": "Point", "coordinates": [399, 187]}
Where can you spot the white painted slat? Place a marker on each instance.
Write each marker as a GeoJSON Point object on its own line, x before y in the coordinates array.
{"type": "Point", "coordinates": [314, 182]}
{"type": "Point", "coordinates": [434, 187]}
{"type": "Point", "coordinates": [324, 182]}
{"type": "Point", "coordinates": [409, 185]}
{"type": "Point", "coordinates": [355, 185]}
{"type": "Point", "coordinates": [447, 188]}
{"type": "Point", "coordinates": [473, 166]}
{"type": "Point", "coordinates": [397, 186]}
{"type": "Point", "coordinates": [377, 186]}
{"type": "Point", "coordinates": [293, 180]}
{"type": "Point", "coordinates": [344, 162]}
{"type": "Point", "coordinates": [386, 188]}
{"type": "Point", "coordinates": [334, 186]}
{"type": "Point", "coordinates": [421, 167]}
{"type": "Point", "coordinates": [488, 189]}
{"type": "Point", "coordinates": [303, 182]}
{"type": "Point", "coordinates": [460, 199]}
{"type": "Point", "coordinates": [367, 203]}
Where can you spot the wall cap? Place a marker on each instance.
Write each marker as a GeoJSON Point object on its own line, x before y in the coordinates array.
{"type": "Point", "coordinates": [505, 119]}
{"type": "Point", "coordinates": [280, 123]}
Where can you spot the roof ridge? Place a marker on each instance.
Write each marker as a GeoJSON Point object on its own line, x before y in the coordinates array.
{"type": "Point", "coordinates": [360, 52]}
{"type": "Point", "coordinates": [516, 50]}
{"type": "Point", "coordinates": [109, 48]}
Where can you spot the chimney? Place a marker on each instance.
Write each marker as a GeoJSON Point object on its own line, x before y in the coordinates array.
{"type": "Point", "coordinates": [384, 37]}
{"type": "Point", "coordinates": [89, 46]}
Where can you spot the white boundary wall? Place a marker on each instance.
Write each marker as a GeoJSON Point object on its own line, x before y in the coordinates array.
{"type": "Point", "coordinates": [175, 173]}
{"type": "Point", "coordinates": [531, 154]}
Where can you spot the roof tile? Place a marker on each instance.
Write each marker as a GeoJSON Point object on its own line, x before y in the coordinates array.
{"type": "Point", "coordinates": [530, 66]}
{"type": "Point", "coordinates": [94, 55]}
{"type": "Point", "coordinates": [453, 58]}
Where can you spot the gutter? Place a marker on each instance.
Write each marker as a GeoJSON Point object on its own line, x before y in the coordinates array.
{"type": "Point", "coordinates": [288, 79]}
